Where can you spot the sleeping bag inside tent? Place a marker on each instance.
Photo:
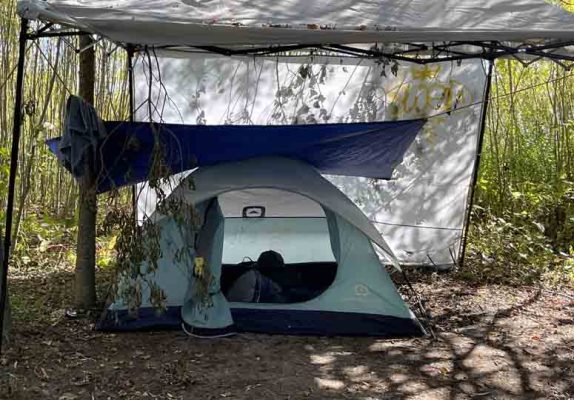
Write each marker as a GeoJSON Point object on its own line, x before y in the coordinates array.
{"type": "Point", "coordinates": [287, 251]}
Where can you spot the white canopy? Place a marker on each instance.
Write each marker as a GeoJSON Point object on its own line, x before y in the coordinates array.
{"type": "Point", "coordinates": [268, 22]}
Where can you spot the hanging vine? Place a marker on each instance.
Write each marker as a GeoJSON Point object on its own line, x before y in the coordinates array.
{"type": "Point", "coordinates": [140, 247]}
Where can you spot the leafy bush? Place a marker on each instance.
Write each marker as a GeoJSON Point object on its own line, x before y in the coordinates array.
{"type": "Point", "coordinates": [514, 250]}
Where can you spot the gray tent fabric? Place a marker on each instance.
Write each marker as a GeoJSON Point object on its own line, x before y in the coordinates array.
{"type": "Point", "coordinates": [213, 313]}
{"type": "Point", "coordinates": [83, 131]}
{"type": "Point", "coordinates": [245, 288]}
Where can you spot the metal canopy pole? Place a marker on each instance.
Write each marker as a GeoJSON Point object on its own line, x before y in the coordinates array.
{"type": "Point", "coordinates": [130, 66]}
{"type": "Point", "coordinates": [472, 188]}
{"type": "Point", "coordinates": [130, 52]}
{"type": "Point", "coordinates": [16, 129]}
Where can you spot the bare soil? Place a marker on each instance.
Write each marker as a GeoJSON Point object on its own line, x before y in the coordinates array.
{"type": "Point", "coordinates": [493, 342]}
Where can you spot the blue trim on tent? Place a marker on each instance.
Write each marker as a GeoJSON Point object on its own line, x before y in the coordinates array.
{"type": "Point", "coordinates": [369, 150]}
{"type": "Point", "coordinates": [323, 323]}
{"type": "Point", "coordinates": [291, 322]}
{"type": "Point", "coordinates": [147, 318]}
{"type": "Point", "coordinates": [208, 332]}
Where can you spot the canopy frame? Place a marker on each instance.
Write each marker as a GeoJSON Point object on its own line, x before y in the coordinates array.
{"type": "Point", "coordinates": [418, 53]}
{"type": "Point", "coordinates": [415, 52]}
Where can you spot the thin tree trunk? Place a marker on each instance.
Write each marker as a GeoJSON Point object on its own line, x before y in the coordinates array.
{"type": "Point", "coordinates": [7, 321]}
{"type": "Point", "coordinates": [85, 279]}
{"type": "Point", "coordinates": [26, 176]}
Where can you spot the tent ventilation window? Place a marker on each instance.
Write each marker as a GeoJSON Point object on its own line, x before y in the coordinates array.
{"type": "Point", "coordinates": [253, 212]}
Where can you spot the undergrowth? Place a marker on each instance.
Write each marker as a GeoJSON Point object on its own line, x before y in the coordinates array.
{"type": "Point", "coordinates": [514, 250]}
{"type": "Point", "coordinates": [45, 255]}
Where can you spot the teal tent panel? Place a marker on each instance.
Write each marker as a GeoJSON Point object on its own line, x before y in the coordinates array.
{"type": "Point", "coordinates": [211, 315]}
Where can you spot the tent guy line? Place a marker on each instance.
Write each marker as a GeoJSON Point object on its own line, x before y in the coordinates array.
{"type": "Point", "coordinates": [417, 226]}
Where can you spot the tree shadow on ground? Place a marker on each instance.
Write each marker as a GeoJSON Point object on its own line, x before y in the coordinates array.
{"type": "Point", "coordinates": [491, 355]}
{"type": "Point", "coordinates": [492, 342]}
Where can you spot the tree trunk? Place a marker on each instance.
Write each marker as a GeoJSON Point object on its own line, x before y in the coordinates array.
{"type": "Point", "coordinates": [7, 321]}
{"type": "Point", "coordinates": [85, 277]}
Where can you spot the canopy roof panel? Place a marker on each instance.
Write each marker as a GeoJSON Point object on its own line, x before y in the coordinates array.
{"type": "Point", "coordinates": [269, 22]}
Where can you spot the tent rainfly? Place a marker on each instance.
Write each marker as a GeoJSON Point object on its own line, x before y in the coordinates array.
{"type": "Point", "coordinates": [370, 150]}
{"type": "Point", "coordinates": [417, 31]}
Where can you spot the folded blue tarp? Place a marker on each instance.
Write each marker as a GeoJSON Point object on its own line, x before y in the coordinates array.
{"type": "Point", "coordinates": [370, 150]}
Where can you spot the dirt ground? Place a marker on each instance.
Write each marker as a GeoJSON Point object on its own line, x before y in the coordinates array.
{"type": "Point", "coordinates": [493, 342]}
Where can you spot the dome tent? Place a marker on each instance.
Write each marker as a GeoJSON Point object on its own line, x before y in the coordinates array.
{"type": "Point", "coordinates": [326, 230]}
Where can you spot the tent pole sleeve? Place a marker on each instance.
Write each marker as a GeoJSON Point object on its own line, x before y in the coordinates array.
{"type": "Point", "coordinates": [16, 130]}
{"type": "Point", "coordinates": [470, 200]}
{"type": "Point", "coordinates": [130, 67]}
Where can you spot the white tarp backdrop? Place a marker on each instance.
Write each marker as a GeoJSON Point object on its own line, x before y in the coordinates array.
{"type": "Point", "coordinates": [264, 22]}
{"type": "Point", "coordinates": [420, 211]}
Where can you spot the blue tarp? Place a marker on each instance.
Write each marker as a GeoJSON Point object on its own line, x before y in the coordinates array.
{"type": "Point", "coordinates": [357, 149]}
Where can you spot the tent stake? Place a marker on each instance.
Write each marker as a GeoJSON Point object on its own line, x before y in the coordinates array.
{"type": "Point", "coordinates": [16, 130]}
{"type": "Point", "coordinates": [475, 171]}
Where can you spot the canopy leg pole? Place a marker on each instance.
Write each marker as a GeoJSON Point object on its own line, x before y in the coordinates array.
{"type": "Point", "coordinates": [16, 130]}
{"type": "Point", "coordinates": [130, 66]}
{"type": "Point", "coordinates": [475, 172]}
